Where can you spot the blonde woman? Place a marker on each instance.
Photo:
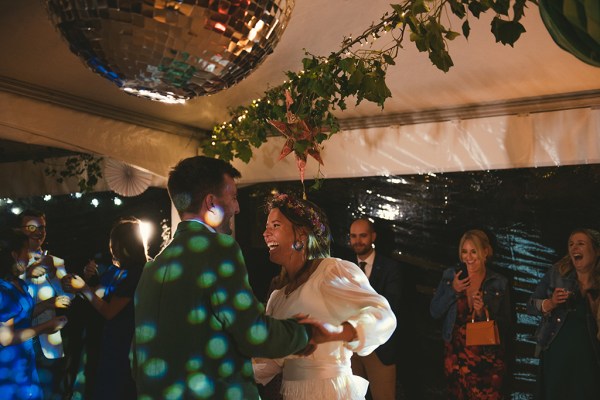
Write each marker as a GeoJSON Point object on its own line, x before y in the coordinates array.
{"type": "Point", "coordinates": [472, 372]}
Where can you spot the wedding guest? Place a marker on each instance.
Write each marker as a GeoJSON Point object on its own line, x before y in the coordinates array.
{"type": "Point", "coordinates": [328, 289]}
{"type": "Point", "coordinates": [115, 304]}
{"type": "Point", "coordinates": [473, 372]}
{"type": "Point", "coordinates": [18, 374]}
{"type": "Point", "coordinates": [385, 275]}
{"type": "Point", "coordinates": [567, 339]}
{"type": "Point", "coordinates": [43, 278]}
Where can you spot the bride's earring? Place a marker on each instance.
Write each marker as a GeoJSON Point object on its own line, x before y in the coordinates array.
{"type": "Point", "coordinates": [298, 245]}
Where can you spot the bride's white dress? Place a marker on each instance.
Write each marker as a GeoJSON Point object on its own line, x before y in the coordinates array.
{"type": "Point", "coordinates": [336, 292]}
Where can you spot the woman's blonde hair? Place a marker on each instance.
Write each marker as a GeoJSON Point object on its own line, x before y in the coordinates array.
{"type": "Point", "coordinates": [480, 241]}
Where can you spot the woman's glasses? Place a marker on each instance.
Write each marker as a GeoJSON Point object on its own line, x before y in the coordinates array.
{"type": "Point", "coordinates": [33, 228]}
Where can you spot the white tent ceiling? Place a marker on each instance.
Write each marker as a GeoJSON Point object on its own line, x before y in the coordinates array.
{"type": "Point", "coordinates": [48, 97]}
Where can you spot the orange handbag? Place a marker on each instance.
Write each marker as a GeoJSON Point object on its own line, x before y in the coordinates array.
{"type": "Point", "coordinates": [482, 333]}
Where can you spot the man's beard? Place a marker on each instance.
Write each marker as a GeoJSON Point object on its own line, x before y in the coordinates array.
{"type": "Point", "coordinates": [361, 250]}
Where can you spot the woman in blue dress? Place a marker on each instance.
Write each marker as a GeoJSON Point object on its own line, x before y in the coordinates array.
{"type": "Point", "coordinates": [115, 304]}
{"type": "Point", "coordinates": [18, 376]}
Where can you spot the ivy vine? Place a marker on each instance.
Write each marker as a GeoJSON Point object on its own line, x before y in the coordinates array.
{"type": "Point", "coordinates": [326, 82]}
{"type": "Point", "coordinates": [86, 168]}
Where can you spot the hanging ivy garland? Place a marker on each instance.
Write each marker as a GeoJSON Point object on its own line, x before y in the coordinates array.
{"type": "Point", "coordinates": [326, 82]}
{"type": "Point", "coordinates": [86, 168]}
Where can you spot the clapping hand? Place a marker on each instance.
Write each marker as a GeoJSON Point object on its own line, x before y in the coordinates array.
{"type": "Point", "coordinates": [44, 265]}
{"type": "Point", "coordinates": [35, 270]}
{"type": "Point", "coordinates": [90, 269]}
{"type": "Point", "coordinates": [62, 301]}
{"type": "Point", "coordinates": [72, 283]}
{"type": "Point", "coordinates": [56, 324]}
{"type": "Point", "coordinates": [55, 302]}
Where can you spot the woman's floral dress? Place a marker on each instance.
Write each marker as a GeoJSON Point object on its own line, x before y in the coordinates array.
{"type": "Point", "coordinates": [473, 372]}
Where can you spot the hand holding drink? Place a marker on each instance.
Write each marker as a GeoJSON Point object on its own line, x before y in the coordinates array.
{"type": "Point", "coordinates": [559, 296]}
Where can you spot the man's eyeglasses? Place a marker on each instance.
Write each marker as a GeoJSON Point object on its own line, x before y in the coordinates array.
{"type": "Point", "coordinates": [33, 228]}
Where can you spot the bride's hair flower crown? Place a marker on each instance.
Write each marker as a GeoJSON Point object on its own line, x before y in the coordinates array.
{"type": "Point", "coordinates": [302, 209]}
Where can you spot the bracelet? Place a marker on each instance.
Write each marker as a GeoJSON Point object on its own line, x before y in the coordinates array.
{"type": "Point", "coordinates": [544, 311]}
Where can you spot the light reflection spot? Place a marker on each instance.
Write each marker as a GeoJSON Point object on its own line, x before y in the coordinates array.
{"type": "Point", "coordinates": [174, 392]}
{"type": "Point", "coordinates": [201, 385]}
{"type": "Point", "coordinates": [242, 300]}
{"type": "Point", "coordinates": [257, 333]}
{"type": "Point", "coordinates": [155, 368]}
{"type": "Point", "coordinates": [145, 333]}
{"type": "Point", "coordinates": [219, 297]}
{"type": "Point", "coordinates": [197, 316]}
{"type": "Point", "coordinates": [169, 272]}
{"type": "Point", "coordinates": [216, 347]}
{"type": "Point", "coordinates": [207, 279]}
{"type": "Point", "coordinates": [198, 244]}
{"type": "Point", "coordinates": [225, 240]}
{"type": "Point", "coordinates": [194, 364]}
{"type": "Point", "coordinates": [226, 269]}
{"type": "Point", "coordinates": [234, 393]}
{"type": "Point", "coordinates": [226, 369]}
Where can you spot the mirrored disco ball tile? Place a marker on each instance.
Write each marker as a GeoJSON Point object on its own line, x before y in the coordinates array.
{"type": "Point", "coordinates": [171, 50]}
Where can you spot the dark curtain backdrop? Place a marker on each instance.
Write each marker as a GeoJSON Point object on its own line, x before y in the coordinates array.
{"type": "Point", "coordinates": [528, 214]}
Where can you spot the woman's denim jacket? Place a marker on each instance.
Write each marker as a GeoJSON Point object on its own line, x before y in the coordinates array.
{"type": "Point", "coordinates": [495, 297]}
{"type": "Point", "coordinates": [554, 320]}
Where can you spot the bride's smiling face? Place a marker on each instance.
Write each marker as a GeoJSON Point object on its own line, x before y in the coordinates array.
{"type": "Point", "coordinates": [279, 236]}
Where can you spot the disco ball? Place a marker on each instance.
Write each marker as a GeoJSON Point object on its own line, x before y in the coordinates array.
{"type": "Point", "coordinates": [171, 50]}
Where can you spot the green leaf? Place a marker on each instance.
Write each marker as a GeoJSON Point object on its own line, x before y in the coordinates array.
{"type": "Point", "coordinates": [420, 41]}
{"type": "Point", "coordinates": [457, 8]}
{"type": "Point", "coordinates": [319, 137]}
{"type": "Point", "coordinates": [519, 9]}
{"type": "Point", "coordinates": [451, 35]}
{"type": "Point", "coordinates": [388, 59]}
{"type": "Point", "coordinates": [412, 23]}
{"type": "Point", "coordinates": [466, 29]}
{"type": "Point", "coordinates": [355, 81]}
{"type": "Point", "coordinates": [308, 63]}
{"type": "Point", "coordinates": [347, 64]}
{"type": "Point", "coordinates": [441, 60]}
{"type": "Point", "coordinates": [506, 32]}
{"type": "Point", "coordinates": [398, 8]}
{"type": "Point", "coordinates": [501, 6]}
{"type": "Point", "coordinates": [317, 185]}
{"type": "Point", "coordinates": [419, 7]}
{"type": "Point", "coordinates": [243, 151]}
{"type": "Point", "coordinates": [477, 8]}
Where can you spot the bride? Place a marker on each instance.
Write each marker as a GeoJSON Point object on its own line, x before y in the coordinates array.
{"type": "Point", "coordinates": [319, 287]}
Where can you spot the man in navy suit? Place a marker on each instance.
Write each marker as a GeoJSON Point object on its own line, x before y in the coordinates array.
{"type": "Point", "coordinates": [385, 275]}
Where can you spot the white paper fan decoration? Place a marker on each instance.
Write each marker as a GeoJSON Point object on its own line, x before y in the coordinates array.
{"type": "Point", "coordinates": [125, 179]}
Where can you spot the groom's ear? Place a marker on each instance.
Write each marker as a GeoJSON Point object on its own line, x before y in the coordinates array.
{"type": "Point", "coordinates": [209, 201]}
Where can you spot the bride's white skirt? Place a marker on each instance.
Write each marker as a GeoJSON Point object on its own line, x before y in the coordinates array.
{"type": "Point", "coordinates": [345, 387]}
{"type": "Point", "coordinates": [306, 380]}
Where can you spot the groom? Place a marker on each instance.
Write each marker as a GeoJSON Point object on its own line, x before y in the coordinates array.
{"type": "Point", "coordinates": [197, 319]}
